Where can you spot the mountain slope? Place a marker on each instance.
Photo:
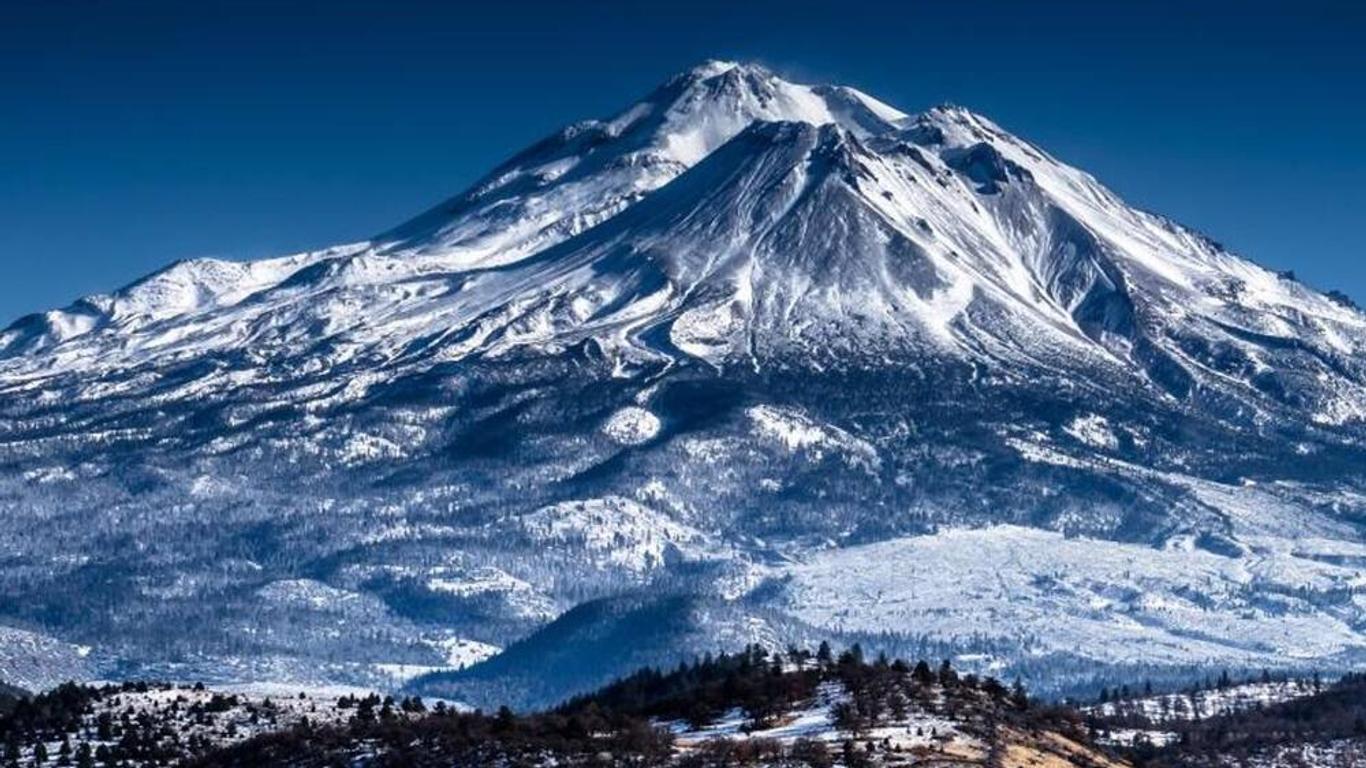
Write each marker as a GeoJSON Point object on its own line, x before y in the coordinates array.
{"type": "Point", "coordinates": [727, 343]}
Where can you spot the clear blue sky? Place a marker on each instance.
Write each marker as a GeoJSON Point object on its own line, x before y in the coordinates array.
{"type": "Point", "coordinates": [135, 133]}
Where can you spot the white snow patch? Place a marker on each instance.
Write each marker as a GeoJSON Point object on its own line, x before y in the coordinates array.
{"type": "Point", "coordinates": [632, 426]}
{"type": "Point", "coordinates": [1094, 430]}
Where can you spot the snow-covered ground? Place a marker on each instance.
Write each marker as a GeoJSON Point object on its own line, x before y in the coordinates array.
{"type": "Point", "coordinates": [1109, 601]}
{"type": "Point", "coordinates": [616, 532]}
{"type": "Point", "coordinates": [1337, 753]}
{"type": "Point", "coordinates": [212, 716]}
{"type": "Point", "coordinates": [1206, 703]}
{"type": "Point", "coordinates": [921, 728]}
{"type": "Point", "coordinates": [34, 662]}
{"type": "Point", "coordinates": [1137, 737]}
{"type": "Point", "coordinates": [1162, 710]}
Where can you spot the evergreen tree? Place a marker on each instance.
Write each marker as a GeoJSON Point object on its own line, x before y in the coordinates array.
{"type": "Point", "coordinates": [947, 676]}
{"type": "Point", "coordinates": [823, 653]}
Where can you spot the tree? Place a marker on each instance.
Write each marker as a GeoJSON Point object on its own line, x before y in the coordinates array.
{"type": "Point", "coordinates": [505, 721]}
{"type": "Point", "coordinates": [947, 677]}
{"type": "Point", "coordinates": [853, 656]}
{"type": "Point", "coordinates": [847, 717]}
{"type": "Point", "coordinates": [854, 757]}
{"type": "Point", "coordinates": [365, 711]}
{"type": "Point", "coordinates": [812, 752]}
{"type": "Point", "coordinates": [699, 715]}
{"type": "Point", "coordinates": [898, 705]}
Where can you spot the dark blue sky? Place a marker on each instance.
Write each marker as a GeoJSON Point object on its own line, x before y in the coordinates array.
{"type": "Point", "coordinates": [135, 133]}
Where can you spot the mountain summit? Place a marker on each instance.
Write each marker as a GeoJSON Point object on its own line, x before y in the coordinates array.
{"type": "Point", "coordinates": [750, 360]}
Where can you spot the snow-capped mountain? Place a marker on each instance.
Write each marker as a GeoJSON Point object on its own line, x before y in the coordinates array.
{"type": "Point", "coordinates": [767, 343]}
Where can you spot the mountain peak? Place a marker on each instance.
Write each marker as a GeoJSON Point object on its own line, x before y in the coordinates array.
{"type": "Point", "coordinates": [713, 67]}
{"type": "Point", "coordinates": [597, 168]}
{"type": "Point", "coordinates": [953, 123]}
{"type": "Point", "coordinates": [948, 110]}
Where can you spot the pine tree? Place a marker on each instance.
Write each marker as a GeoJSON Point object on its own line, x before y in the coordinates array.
{"type": "Point", "coordinates": [947, 677]}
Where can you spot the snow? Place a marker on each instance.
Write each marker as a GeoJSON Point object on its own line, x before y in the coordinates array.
{"type": "Point", "coordinates": [797, 432]}
{"type": "Point", "coordinates": [632, 426]}
{"type": "Point", "coordinates": [362, 448]}
{"type": "Point", "coordinates": [478, 582]}
{"type": "Point", "coordinates": [1333, 753]}
{"type": "Point", "coordinates": [1093, 430]}
{"type": "Point", "coordinates": [705, 332]}
{"type": "Point", "coordinates": [921, 727]}
{"type": "Point", "coordinates": [1131, 737]}
{"type": "Point", "coordinates": [461, 652]}
{"type": "Point", "coordinates": [35, 661]}
{"type": "Point", "coordinates": [399, 291]}
{"type": "Point", "coordinates": [308, 594]}
{"type": "Point", "coordinates": [618, 533]}
{"type": "Point", "coordinates": [885, 112]}
{"type": "Point", "coordinates": [1163, 709]}
{"type": "Point", "coordinates": [257, 709]}
{"type": "Point", "coordinates": [521, 598]}
{"type": "Point", "coordinates": [1210, 702]}
{"type": "Point", "coordinates": [1103, 600]}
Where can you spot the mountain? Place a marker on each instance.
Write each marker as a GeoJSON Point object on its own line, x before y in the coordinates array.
{"type": "Point", "coordinates": [779, 356]}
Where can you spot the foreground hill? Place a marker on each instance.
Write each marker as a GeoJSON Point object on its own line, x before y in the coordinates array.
{"type": "Point", "coordinates": [783, 349]}
{"type": "Point", "coordinates": [751, 708]}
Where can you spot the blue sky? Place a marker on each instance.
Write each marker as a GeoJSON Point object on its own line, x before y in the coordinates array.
{"type": "Point", "coordinates": [135, 133]}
